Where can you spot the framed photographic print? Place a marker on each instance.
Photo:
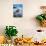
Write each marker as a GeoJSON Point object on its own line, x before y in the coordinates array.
{"type": "Point", "coordinates": [17, 10]}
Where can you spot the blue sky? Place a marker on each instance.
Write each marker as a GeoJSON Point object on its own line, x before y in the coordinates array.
{"type": "Point", "coordinates": [18, 5]}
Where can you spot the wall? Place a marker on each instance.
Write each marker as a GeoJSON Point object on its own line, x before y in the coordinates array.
{"type": "Point", "coordinates": [26, 25]}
